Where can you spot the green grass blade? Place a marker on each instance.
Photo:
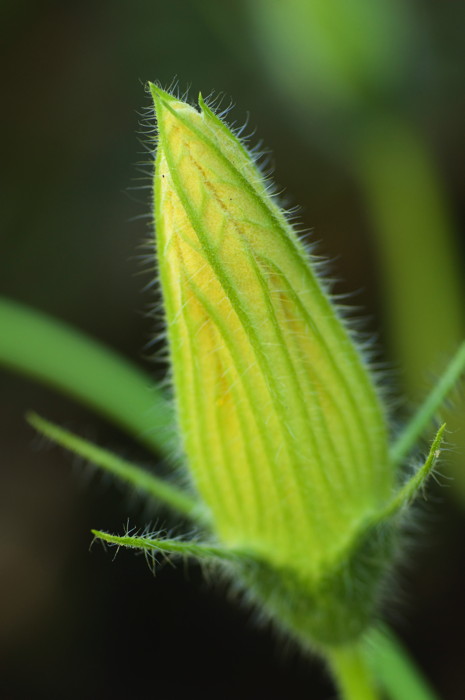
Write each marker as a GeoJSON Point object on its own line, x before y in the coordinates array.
{"type": "Point", "coordinates": [142, 480]}
{"type": "Point", "coordinates": [33, 344]}
{"type": "Point", "coordinates": [154, 545]}
{"type": "Point", "coordinates": [425, 414]}
{"type": "Point", "coordinates": [394, 669]}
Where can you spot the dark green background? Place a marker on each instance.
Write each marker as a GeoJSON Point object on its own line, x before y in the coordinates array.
{"type": "Point", "coordinates": [74, 623]}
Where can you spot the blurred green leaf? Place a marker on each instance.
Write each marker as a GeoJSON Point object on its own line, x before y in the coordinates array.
{"type": "Point", "coordinates": [341, 54]}
{"type": "Point", "coordinates": [53, 353]}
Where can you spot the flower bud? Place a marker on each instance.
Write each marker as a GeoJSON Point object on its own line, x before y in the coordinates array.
{"type": "Point", "coordinates": [284, 433]}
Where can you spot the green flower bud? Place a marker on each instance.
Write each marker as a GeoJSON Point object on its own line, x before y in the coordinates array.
{"type": "Point", "coordinates": [284, 432]}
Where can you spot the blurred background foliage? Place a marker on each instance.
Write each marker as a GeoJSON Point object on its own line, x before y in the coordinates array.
{"type": "Point", "coordinates": [361, 105]}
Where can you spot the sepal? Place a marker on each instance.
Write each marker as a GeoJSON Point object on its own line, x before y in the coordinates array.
{"type": "Point", "coordinates": [156, 545]}
{"type": "Point", "coordinates": [410, 490]}
{"type": "Point", "coordinates": [133, 475]}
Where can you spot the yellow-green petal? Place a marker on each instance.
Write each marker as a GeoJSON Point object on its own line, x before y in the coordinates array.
{"type": "Point", "coordinates": [282, 427]}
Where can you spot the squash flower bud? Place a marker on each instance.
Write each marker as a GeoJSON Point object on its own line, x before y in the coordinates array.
{"type": "Point", "coordinates": [284, 433]}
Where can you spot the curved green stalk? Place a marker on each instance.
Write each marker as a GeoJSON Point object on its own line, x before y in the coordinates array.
{"type": "Point", "coordinates": [31, 343]}
{"type": "Point", "coordinates": [352, 674]}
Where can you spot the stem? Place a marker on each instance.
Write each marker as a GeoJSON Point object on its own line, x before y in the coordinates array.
{"type": "Point", "coordinates": [33, 344]}
{"type": "Point", "coordinates": [394, 668]}
{"type": "Point", "coordinates": [353, 676]}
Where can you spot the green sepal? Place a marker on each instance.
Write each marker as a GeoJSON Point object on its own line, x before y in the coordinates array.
{"type": "Point", "coordinates": [408, 492]}
{"type": "Point", "coordinates": [339, 606]}
{"type": "Point", "coordinates": [125, 471]}
{"type": "Point", "coordinates": [169, 546]}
